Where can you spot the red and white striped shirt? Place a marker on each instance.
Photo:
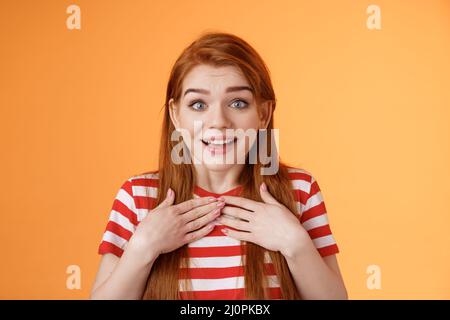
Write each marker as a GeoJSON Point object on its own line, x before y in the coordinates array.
{"type": "Point", "coordinates": [216, 270]}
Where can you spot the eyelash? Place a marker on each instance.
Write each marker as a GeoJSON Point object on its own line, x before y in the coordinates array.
{"type": "Point", "coordinates": [195, 101]}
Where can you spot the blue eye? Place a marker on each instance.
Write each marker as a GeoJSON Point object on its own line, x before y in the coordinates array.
{"type": "Point", "coordinates": [199, 105]}
{"type": "Point", "coordinates": [242, 105]}
{"type": "Point", "coordinates": [195, 105]}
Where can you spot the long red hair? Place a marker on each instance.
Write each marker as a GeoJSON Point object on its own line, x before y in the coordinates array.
{"type": "Point", "coordinates": [220, 49]}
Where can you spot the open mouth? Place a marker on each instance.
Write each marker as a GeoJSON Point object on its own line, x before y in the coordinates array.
{"type": "Point", "coordinates": [218, 146]}
{"type": "Point", "coordinates": [215, 142]}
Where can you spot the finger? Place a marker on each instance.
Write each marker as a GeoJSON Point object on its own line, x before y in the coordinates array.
{"type": "Point", "coordinates": [238, 213]}
{"type": "Point", "coordinates": [241, 202]}
{"type": "Point", "coordinates": [200, 233]}
{"type": "Point", "coordinates": [200, 222]}
{"type": "Point", "coordinates": [168, 201]}
{"type": "Point", "coordinates": [239, 235]}
{"type": "Point", "coordinates": [236, 224]}
{"type": "Point", "coordinates": [193, 203]}
{"type": "Point", "coordinates": [265, 195]}
{"type": "Point", "coordinates": [201, 211]}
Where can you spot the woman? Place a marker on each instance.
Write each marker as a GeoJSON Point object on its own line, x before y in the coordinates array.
{"type": "Point", "coordinates": [186, 230]}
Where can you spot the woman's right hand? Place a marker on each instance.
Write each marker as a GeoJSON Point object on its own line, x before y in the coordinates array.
{"type": "Point", "coordinates": [168, 227]}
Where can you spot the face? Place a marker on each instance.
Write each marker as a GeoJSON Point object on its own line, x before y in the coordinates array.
{"type": "Point", "coordinates": [217, 114]}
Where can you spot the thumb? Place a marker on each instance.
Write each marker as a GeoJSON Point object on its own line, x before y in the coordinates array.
{"type": "Point", "coordinates": [265, 194]}
{"type": "Point", "coordinates": [168, 201]}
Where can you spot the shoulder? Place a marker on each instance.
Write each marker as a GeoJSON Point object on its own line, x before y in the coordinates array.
{"type": "Point", "coordinates": [148, 178]}
{"type": "Point", "coordinates": [142, 189]}
{"type": "Point", "coordinates": [305, 187]}
{"type": "Point", "coordinates": [143, 184]}
{"type": "Point", "coordinates": [301, 179]}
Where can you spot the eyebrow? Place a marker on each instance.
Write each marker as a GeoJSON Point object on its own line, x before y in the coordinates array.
{"type": "Point", "coordinates": [229, 89]}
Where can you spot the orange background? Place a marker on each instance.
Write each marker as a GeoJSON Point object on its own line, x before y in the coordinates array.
{"type": "Point", "coordinates": [365, 111]}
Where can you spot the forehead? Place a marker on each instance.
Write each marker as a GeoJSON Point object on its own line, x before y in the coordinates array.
{"type": "Point", "coordinates": [214, 78]}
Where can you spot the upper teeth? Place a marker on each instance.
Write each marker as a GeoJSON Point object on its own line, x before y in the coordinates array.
{"type": "Point", "coordinates": [219, 141]}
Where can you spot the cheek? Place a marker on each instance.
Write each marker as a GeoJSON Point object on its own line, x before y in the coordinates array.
{"type": "Point", "coordinates": [187, 125]}
{"type": "Point", "coordinates": [247, 121]}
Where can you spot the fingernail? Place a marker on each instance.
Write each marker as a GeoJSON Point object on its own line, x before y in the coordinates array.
{"type": "Point", "coordinates": [263, 187]}
{"type": "Point", "coordinates": [211, 199]}
{"type": "Point", "coordinates": [169, 192]}
{"type": "Point", "coordinates": [221, 198]}
{"type": "Point", "coordinates": [221, 204]}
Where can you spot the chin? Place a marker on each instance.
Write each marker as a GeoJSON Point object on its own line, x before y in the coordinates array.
{"type": "Point", "coordinates": [219, 166]}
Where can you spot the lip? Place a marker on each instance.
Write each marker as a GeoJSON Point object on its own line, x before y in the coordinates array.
{"type": "Point", "coordinates": [218, 138]}
{"type": "Point", "coordinates": [221, 148]}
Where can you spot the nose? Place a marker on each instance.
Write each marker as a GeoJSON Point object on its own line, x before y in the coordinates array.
{"type": "Point", "coordinates": [218, 118]}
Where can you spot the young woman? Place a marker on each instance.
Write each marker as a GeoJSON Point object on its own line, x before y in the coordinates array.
{"type": "Point", "coordinates": [205, 227]}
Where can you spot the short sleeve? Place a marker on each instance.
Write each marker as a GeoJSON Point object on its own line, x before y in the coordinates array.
{"type": "Point", "coordinates": [122, 222]}
{"type": "Point", "coordinates": [314, 219]}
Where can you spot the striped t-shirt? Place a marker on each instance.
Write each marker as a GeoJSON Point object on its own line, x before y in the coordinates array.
{"type": "Point", "coordinates": [215, 261]}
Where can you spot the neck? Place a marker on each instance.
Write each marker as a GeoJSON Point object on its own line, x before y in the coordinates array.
{"type": "Point", "coordinates": [218, 181]}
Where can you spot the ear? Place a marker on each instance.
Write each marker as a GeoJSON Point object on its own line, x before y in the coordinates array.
{"type": "Point", "coordinates": [265, 114]}
{"type": "Point", "coordinates": [173, 113]}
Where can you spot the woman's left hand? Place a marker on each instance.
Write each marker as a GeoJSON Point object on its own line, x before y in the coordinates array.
{"type": "Point", "coordinates": [268, 224]}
